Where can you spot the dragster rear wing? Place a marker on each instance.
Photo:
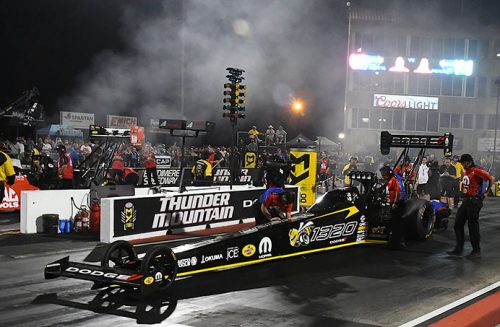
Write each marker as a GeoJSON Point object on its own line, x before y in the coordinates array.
{"type": "Point", "coordinates": [146, 283]}
{"type": "Point", "coordinates": [388, 141]}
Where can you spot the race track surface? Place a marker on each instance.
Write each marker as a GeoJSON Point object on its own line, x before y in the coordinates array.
{"type": "Point", "coordinates": [358, 286]}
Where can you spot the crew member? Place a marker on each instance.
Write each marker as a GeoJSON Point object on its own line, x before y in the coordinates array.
{"type": "Point", "coordinates": [150, 165]}
{"type": "Point", "coordinates": [422, 179]}
{"type": "Point", "coordinates": [351, 166]}
{"type": "Point", "coordinates": [64, 168]}
{"type": "Point", "coordinates": [126, 176]}
{"type": "Point", "coordinates": [275, 204]}
{"type": "Point", "coordinates": [396, 197]}
{"type": "Point", "coordinates": [473, 193]}
{"type": "Point", "coordinates": [324, 169]}
{"type": "Point", "coordinates": [202, 170]}
{"type": "Point", "coordinates": [459, 170]}
{"type": "Point", "coordinates": [405, 170]}
{"type": "Point", "coordinates": [7, 173]}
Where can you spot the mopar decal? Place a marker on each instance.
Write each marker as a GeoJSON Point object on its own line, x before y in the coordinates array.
{"type": "Point", "coordinates": [210, 207]}
{"type": "Point", "coordinates": [96, 273]}
{"type": "Point", "coordinates": [129, 215]}
{"type": "Point", "coordinates": [248, 250]}
{"type": "Point", "coordinates": [265, 247]}
{"type": "Point", "coordinates": [158, 277]}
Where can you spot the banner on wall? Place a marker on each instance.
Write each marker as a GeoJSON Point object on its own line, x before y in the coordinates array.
{"type": "Point", "coordinates": [171, 176]}
{"type": "Point", "coordinates": [405, 102]}
{"type": "Point", "coordinates": [151, 214]}
{"type": "Point", "coordinates": [126, 122]}
{"type": "Point", "coordinates": [303, 174]}
{"type": "Point", "coordinates": [81, 120]}
{"type": "Point", "coordinates": [12, 198]}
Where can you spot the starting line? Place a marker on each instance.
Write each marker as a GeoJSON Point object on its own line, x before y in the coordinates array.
{"type": "Point", "coordinates": [451, 306]}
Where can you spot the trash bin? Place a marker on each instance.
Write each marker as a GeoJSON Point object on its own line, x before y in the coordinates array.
{"type": "Point", "coordinates": [50, 223]}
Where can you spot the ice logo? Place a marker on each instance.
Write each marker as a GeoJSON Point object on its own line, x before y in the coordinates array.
{"type": "Point", "coordinates": [302, 236]}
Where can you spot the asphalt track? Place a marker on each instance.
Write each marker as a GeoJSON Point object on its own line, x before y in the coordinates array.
{"type": "Point", "coordinates": [357, 286]}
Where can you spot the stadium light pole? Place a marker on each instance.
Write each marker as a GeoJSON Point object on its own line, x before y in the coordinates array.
{"type": "Point", "coordinates": [493, 164]}
{"type": "Point", "coordinates": [348, 50]}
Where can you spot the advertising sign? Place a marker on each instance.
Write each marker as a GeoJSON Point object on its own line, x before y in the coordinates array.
{"type": "Point", "coordinates": [170, 176]}
{"type": "Point", "coordinates": [11, 200]}
{"type": "Point", "coordinates": [151, 214]}
{"type": "Point", "coordinates": [486, 144]}
{"type": "Point", "coordinates": [136, 135]}
{"type": "Point", "coordinates": [80, 120]}
{"type": "Point", "coordinates": [250, 160]}
{"type": "Point", "coordinates": [370, 62]}
{"type": "Point", "coordinates": [405, 102]}
{"type": "Point", "coordinates": [154, 127]}
{"type": "Point", "coordinates": [303, 174]}
{"type": "Point", "coordinates": [121, 121]}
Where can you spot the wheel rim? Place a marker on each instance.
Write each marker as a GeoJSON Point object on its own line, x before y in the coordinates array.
{"type": "Point", "coordinates": [164, 263]}
{"type": "Point", "coordinates": [118, 257]}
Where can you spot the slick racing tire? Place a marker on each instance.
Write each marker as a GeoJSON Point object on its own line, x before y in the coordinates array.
{"type": "Point", "coordinates": [418, 219]}
{"type": "Point", "coordinates": [160, 259]}
{"type": "Point", "coordinates": [118, 254]}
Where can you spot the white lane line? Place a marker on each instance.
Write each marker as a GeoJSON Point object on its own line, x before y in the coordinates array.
{"type": "Point", "coordinates": [450, 306]}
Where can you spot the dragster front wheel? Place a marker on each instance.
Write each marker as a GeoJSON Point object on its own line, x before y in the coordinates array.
{"type": "Point", "coordinates": [118, 254]}
{"type": "Point", "coordinates": [161, 259]}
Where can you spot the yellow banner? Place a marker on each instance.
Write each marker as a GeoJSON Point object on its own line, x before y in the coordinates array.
{"type": "Point", "coordinates": [250, 160]}
{"type": "Point", "coordinates": [303, 174]}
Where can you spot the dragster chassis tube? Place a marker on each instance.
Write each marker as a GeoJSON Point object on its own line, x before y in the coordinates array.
{"type": "Point", "coordinates": [306, 233]}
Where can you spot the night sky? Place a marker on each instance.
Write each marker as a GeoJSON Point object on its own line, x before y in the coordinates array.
{"type": "Point", "coordinates": [77, 52]}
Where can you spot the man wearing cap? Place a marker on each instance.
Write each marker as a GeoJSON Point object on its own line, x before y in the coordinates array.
{"type": "Point", "coordinates": [270, 135]}
{"type": "Point", "coordinates": [473, 193]}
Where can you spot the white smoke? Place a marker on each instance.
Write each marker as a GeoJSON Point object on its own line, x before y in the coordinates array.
{"type": "Point", "coordinates": [283, 45]}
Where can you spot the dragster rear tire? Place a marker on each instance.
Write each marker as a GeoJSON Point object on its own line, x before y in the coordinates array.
{"type": "Point", "coordinates": [161, 259]}
{"type": "Point", "coordinates": [119, 253]}
{"type": "Point", "coordinates": [418, 219]}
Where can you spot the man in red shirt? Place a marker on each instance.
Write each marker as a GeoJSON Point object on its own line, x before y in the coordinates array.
{"type": "Point", "coordinates": [393, 190]}
{"type": "Point", "coordinates": [275, 203]}
{"type": "Point", "coordinates": [406, 172]}
{"type": "Point", "coordinates": [64, 168]}
{"type": "Point", "coordinates": [324, 169]}
{"type": "Point", "coordinates": [473, 192]}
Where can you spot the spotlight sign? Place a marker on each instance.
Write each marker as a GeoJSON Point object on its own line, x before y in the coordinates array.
{"type": "Point", "coordinates": [456, 67]}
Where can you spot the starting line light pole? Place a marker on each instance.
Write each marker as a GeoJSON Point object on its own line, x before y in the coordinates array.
{"type": "Point", "coordinates": [234, 108]}
{"type": "Point", "coordinates": [183, 129]}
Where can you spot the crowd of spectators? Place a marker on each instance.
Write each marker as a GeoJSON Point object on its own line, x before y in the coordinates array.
{"type": "Point", "coordinates": [441, 177]}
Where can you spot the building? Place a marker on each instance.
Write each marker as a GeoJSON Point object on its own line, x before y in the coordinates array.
{"type": "Point", "coordinates": [421, 75]}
